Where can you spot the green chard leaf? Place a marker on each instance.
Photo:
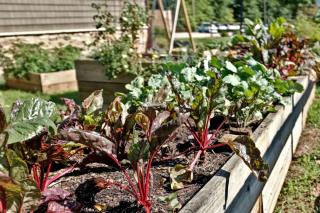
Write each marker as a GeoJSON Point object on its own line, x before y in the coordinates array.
{"type": "Point", "coordinates": [234, 80]}
{"type": "Point", "coordinates": [3, 120]}
{"type": "Point", "coordinates": [94, 102]}
{"type": "Point", "coordinates": [138, 151]}
{"type": "Point", "coordinates": [231, 67]}
{"type": "Point", "coordinates": [30, 118]}
{"type": "Point", "coordinates": [16, 188]}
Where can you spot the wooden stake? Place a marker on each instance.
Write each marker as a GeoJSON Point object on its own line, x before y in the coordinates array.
{"type": "Point", "coordinates": [166, 27]}
{"type": "Point", "coordinates": [186, 16]}
{"type": "Point", "coordinates": [176, 15]}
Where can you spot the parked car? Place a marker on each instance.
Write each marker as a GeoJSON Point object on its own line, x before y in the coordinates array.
{"type": "Point", "coordinates": [222, 27]}
{"type": "Point", "coordinates": [207, 27]}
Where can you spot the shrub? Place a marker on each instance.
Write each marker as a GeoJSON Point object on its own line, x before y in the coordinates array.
{"type": "Point", "coordinates": [24, 58]}
{"type": "Point", "coordinates": [119, 55]}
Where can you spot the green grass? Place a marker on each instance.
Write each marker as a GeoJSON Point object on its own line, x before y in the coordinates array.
{"type": "Point", "coordinates": [314, 112]}
{"type": "Point", "coordinates": [298, 194]}
{"type": "Point", "coordinates": [9, 96]}
{"type": "Point", "coordinates": [209, 43]}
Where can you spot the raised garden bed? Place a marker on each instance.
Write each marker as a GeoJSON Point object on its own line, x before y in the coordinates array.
{"type": "Point", "coordinates": [90, 77]}
{"type": "Point", "coordinates": [234, 187]}
{"type": "Point", "coordinates": [53, 82]}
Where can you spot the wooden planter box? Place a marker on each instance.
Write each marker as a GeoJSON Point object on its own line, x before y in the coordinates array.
{"type": "Point", "coordinates": [90, 76]}
{"type": "Point", "coordinates": [234, 188]}
{"type": "Point", "coordinates": [50, 83]}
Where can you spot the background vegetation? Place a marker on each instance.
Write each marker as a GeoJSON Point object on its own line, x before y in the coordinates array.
{"type": "Point", "coordinates": [229, 11]}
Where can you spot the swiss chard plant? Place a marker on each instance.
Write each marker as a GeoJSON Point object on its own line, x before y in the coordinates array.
{"type": "Point", "coordinates": [18, 191]}
{"type": "Point", "coordinates": [201, 92]}
{"type": "Point", "coordinates": [277, 46]}
{"type": "Point", "coordinates": [26, 155]}
{"type": "Point", "coordinates": [197, 91]}
{"type": "Point", "coordinates": [252, 89]}
{"type": "Point", "coordinates": [241, 90]}
{"type": "Point", "coordinates": [151, 129]}
{"type": "Point", "coordinates": [154, 89]}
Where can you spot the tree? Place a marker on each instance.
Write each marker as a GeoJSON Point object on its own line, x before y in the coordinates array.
{"type": "Point", "coordinates": [200, 11]}
{"type": "Point", "coordinates": [251, 9]}
{"type": "Point", "coordinates": [222, 11]}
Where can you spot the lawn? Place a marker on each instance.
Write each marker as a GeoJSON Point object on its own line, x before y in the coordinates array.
{"type": "Point", "coordinates": [301, 191]}
{"type": "Point", "coordinates": [9, 96]}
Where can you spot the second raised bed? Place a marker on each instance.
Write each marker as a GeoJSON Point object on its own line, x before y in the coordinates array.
{"type": "Point", "coordinates": [234, 188]}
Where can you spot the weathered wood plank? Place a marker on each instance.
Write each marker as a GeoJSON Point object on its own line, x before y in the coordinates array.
{"type": "Point", "coordinates": [58, 77]}
{"type": "Point", "coordinates": [108, 88]}
{"type": "Point", "coordinates": [35, 8]}
{"type": "Point", "coordinates": [50, 21]}
{"type": "Point", "coordinates": [59, 2]}
{"type": "Point", "coordinates": [20, 29]}
{"type": "Point", "coordinates": [55, 82]}
{"type": "Point", "coordinates": [273, 187]}
{"type": "Point", "coordinates": [91, 70]}
{"type": "Point", "coordinates": [46, 14]}
{"type": "Point", "coordinates": [60, 87]}
{"type": "Point", "coordinates": [40, 15]}
{"type": "Point", "coordinates": [22, 84]}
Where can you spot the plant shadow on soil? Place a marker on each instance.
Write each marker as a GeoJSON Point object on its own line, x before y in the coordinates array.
{"type": "Point", "coordinates": [80, 183]}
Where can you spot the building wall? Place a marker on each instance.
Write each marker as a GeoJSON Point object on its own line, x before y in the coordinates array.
{"type": "Point", "coordinates": [23, 16]}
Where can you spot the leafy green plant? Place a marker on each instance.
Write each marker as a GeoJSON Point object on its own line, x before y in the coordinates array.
{"type": "Point", "coordinates": [27, 157]}
{"type": "Point", "coordinates": [64, 57]}
{"type": "Point", "coordinates": [151, 129]}
{"type": "Point", "coordinates": [18, 192]}
{"type": "Point", "coordinates": [119, 55]}
{"type": "Point", "coordinates": [252, 89]}
{"type": "Point", "coordinates": [24, 58]}
{"type": "Point", "coordinates": [154, 89]}
{"type": "Point", "coordinates": [196, 91]}
{"type": "Point", "coordinates": [243, 90]}
{"type": "Point", "coordinates": [276, 46]}
{"type": "Point", "coordinates": [28, 119]}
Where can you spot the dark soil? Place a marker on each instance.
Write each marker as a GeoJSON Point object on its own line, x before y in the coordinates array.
{"type": "Point", "coordinates": [114, 200]}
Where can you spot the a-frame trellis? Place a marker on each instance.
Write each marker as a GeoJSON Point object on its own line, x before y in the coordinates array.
{"type": "Point", "coordinates": [171, 35]}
